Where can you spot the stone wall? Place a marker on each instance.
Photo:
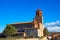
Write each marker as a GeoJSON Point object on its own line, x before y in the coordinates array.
{"type": "Point", "coordinates": [40, 30]}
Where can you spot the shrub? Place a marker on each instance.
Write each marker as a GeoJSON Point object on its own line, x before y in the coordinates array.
{"type": "Point", "coordinates": [9, 30]}
{"type": "Point", "coordinates": [46, 32]}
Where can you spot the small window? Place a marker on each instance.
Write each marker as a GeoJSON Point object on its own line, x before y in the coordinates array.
{"type": "Point", "coordinates": [21, 31]}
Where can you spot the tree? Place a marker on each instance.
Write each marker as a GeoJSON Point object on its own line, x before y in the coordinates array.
{"type": "Point", "coordinates": [9, 30]}
{"type": "Point", "coordinates": [46, 32]}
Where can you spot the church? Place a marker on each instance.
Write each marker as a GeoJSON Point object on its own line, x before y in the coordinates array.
{"type": "Point", "coordinates": [31, 29]}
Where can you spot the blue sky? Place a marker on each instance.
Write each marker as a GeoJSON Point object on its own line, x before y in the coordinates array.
{"type": "Point", "coordinates": [12, 11]}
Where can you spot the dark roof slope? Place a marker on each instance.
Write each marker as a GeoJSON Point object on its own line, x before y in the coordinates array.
{"type": "Point", "coordinates": [24, 25]}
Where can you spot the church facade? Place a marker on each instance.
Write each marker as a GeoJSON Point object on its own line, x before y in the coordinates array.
{"type": "Point", "coordinates": [31, 29]}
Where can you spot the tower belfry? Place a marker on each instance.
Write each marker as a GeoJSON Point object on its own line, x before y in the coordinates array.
{"type": "Point", "coordinates": [38, 16]}
{"type": "Point", "coordinates": [39, 13]}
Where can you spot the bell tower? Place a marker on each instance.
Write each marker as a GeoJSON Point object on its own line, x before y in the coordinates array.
{"type": "Point", "coordinates": [38, 16]}
{"type": "Point", "coordinates": [38, 22]}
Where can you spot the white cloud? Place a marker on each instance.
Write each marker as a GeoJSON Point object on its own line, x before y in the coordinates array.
{"type": "Point", "coordinates": [52, 23]}
{"type": "Point", "coordinates": [53, 26]}
{"type": "Point", "coordinates": [54, 29]}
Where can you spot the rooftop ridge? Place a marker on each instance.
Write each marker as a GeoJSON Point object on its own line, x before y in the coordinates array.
{"type": "Point", "coordinates": [21, 22]}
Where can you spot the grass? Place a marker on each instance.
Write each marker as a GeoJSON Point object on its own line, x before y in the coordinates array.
{"type": "Point", "coordinates": [10, 38]}
{"type": "Point", "coordinates": [14, 38]}
{"type": "Point", "coordinates": [7, 39]}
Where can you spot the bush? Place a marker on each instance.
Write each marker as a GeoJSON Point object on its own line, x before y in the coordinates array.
{"type": "Point", "coordinates": [46, 32]}
{"type": "Point", "coordinates": [9, 30]}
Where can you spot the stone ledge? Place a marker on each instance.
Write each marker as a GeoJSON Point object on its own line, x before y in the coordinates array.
{"type": "Point", "coordinates": [45, 38]}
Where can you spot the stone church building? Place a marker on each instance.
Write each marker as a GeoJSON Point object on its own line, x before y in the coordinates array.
{"type": "Point", "coordinates": [31, 29]}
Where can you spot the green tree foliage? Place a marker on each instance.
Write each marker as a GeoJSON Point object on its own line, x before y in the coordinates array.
{"type": "Point", "coordinates": [9, 30]}
{"type": "Point", "coordinates": [46, 32]}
